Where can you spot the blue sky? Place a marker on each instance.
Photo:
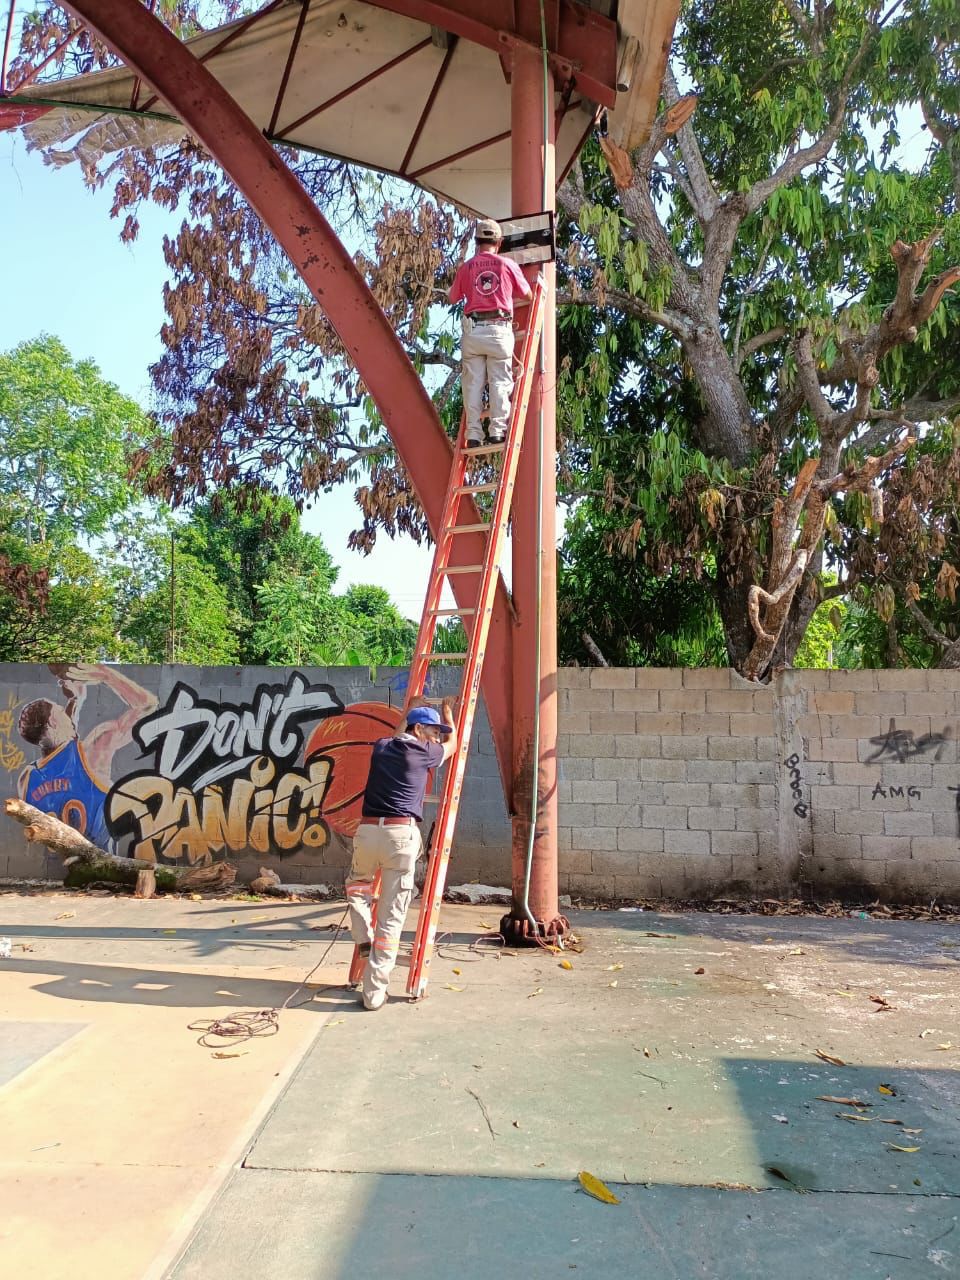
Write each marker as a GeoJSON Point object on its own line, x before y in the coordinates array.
{"type": "Point", "coordinates": [66, 272]}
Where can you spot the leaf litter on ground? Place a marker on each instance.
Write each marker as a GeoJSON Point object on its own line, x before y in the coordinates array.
{"type": "Point", "coordinates": [594, 1187]}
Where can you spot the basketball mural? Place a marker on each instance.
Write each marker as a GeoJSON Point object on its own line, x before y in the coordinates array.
{"type": "Point", "coordinates": [188, 778]}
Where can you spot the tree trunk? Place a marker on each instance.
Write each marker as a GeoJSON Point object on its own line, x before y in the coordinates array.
{"type": "Point", "coordinates": [726, 429]}
{"type": "Point", "coordinates": [86, 862]}
{"type": "Point", "coordinates": [950, 657]}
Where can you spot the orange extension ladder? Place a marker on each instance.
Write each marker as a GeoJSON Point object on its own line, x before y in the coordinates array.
{"type": "Point", "coordinates": [477, 625]}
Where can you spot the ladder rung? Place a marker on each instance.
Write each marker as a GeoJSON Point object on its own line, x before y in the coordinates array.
{"type": "Point", "coordinates": [466, 528]}
{"type": "Point", "coordinates": [476, 488]}
{"type": "Point", "coordinates": [482, 450]}
{"type": "Point", "coordinates": [450, 613]}
{"type": "Point", "coordinates": [463, 568]}
{"type": "Point", "coordinates": [433, 656]}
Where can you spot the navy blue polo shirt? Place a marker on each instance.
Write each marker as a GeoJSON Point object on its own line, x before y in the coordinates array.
{"type": "Point", "coordinates": [398, 776]}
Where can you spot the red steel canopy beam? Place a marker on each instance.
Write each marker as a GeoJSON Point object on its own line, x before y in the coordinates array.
{"type": "Point", "coordinates": [229, 135]}
{"type": "Point", "coordinates": [586, 45]}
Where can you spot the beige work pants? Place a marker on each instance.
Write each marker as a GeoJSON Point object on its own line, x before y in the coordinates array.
{"type": "Point", "coordinates": [486, 350]}
{"type": "Point", "coordinates": [393, 851]}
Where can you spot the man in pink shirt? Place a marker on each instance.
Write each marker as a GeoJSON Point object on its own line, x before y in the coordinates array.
{"type": "Point", "coordinates": [487, 285]}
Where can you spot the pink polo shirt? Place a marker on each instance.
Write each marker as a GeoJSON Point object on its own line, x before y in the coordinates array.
{"type": "Point", "coordinates": [489, 282]}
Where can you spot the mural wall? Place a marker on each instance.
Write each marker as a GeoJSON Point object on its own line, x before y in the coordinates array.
{"type": "Point", "coordinates": [185, 766]}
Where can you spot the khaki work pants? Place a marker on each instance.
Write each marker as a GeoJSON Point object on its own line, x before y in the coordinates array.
{"type": "Point", "coordinates": [486, 349]}
{"type": "Point", "coordinates": [393, 851]}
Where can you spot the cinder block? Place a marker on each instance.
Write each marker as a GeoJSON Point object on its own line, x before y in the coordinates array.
{"type": "Point", "coordinates": [724, 748]}
{"type": "Point", "coordinates": [835, 797]}
{"type": "Point", "coordinates": [574, 723]}
{"type": "Point", "coordinates": [593, 792]}
{"type": "Point", "coordinates": [564, 792]}
{"type": "Point", "coordinates": [576, 768]}
{"type": "Point", "coordinates": [902, 680]}
{"type": "Point", "coordinates": [703, 725]}
{"type": "Point", "coordinates": [927, 848]}
{"type": "Point", "coordinates": [591, 886]}
{"type": "Point", "coordinates": [830, 847]}
{"type": "Point", "coordinates": [588, 700]}
{"type": "Point", "coordinates": [756, 771]}
{"type": "Point", "coordinates": [905, 775]}
{"type": "Point", "coordinates": [880, 704]}
{"type": "Point", "coordinates": [678, 747]}
{"type": "Point", "coordinates": [610, 860]}
{"type": "Point", "coordinates": [658, 677]}
{"type": "Point", "coordinates": [907, 824]}
{"type": "Point", "coordinates": [856, 822]}
{"type": "Point", "coordinates": [695, 842]}
{"type": "Point", "coordinates": [640, 793]}
{"type": "Point", "coordinates": [734, 842]}
{"type": "Point", "coordinates": [634, 746]}
{"type": "Point", "coordinates": [564, 837]}
{"type": "Point", "coordinates": [659, 723]}
{"type": "Point", "coordinates": [670, 817]}
{"type": "Point", "coordinates": [823, 822]}
{"type": "Point", "coordinates": [768, 748]}
{"type": "Point", "coordinates": [612, 678]}
{"type": "Point", "coordinates": [573, 678]}
{"type": "Point", "coordinates": [645, 700]}
{"type": "Point", "coordinates": [594, 838]}
{"type": "Point", "coordinates": [888, 848]}
{"type": "Point", "coordinates": [618, 815]}
{"type": "Point", "coordinates": [853, 681]}
{"type": "Point", "coordinates": [612, 722]}
{"type": "Point", "coordinates": [665, 770]}
{"type": "Point", "coordinates": [759, 723]}
{"type": "Point", "coordinates": [592, 745]}
{"type": "Point", "coordinates": [640, 839]}
{"type": "Point", "coordinates": [853, 726]}
{"type": "Point", "coordinates": [895, 799]}
{"type": "Point", "coordinates": [618, 769]}
{"type": "Point", "coordinates": [577, 815]}
{"type": "Point", "coordinates": [645, 884]}
{"type": "Point", "coordinates": [707, 678]}
{"type": "Point", "coordinates": [686, 793]}
{"type": "Point", "coordinates": [734, 794]}
{"type": "Point", "coordinates": [833, 701]}
{"type": "Point", "coordinates": [855, 775]}
{"type": "Point", "coordinates": [576, 860]}
{"type": "Point", "coordinates": [943, 681]}
{"type": "Point", "coordinates": [711, 818]}
{"type": "Point", "coordinates": [947, 824]}
{"type": "Point", "coordinates": [935, 705]}
{"type": "Point", "coordinates": [725, 701]}
{"type": "Point", "coordinates": [764, 820]}
{"type": "Point", "coordinates": [683, 700]}
{"type": "Point", "coordinates": [712, 770]}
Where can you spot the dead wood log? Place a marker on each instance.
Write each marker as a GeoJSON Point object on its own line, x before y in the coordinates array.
{"type": "Point", "coordinates": [86, 862]}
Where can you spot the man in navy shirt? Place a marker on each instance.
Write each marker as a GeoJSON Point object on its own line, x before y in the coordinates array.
{"type": "Point", "coordinates": [388, 839]}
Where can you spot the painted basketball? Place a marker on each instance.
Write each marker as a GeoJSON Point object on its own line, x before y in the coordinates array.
{"type": "Point", "coordinates": [346, 741]}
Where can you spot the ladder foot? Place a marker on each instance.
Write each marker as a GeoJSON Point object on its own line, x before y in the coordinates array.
{"type": "Point", "coordinates": [518, 931]}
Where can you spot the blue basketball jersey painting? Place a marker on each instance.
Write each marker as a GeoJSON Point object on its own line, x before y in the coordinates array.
{"type": "Point", "coordinates": [63, 784]}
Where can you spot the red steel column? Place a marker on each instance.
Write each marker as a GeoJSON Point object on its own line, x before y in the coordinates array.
{"type": "Point", "coordinates": [534, 510]}
{"type": "Point", "coordinates": [208, 111]}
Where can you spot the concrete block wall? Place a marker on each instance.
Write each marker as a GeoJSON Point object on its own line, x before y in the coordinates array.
{"type": "Point", "coordinates": [696, 784]}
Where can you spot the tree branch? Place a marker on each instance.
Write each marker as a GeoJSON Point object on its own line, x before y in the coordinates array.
{"type": "Point", "coordinates": [706, 200]}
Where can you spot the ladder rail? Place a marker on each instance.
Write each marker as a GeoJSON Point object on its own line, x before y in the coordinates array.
{"type": "Point", "coordinates": [470, 687]}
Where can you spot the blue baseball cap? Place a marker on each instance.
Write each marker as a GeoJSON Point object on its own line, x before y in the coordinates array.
{"type": "Point", "coordinates": [429, 716]}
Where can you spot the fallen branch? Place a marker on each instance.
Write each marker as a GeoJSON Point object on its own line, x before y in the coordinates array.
{"type": "Point", "coordinates": [86, 862]}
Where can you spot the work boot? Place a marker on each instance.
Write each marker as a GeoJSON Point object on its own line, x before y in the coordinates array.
{"type": "Point", "coordinates": [374, 1002]}
{"type": "Point", "coordinates": [473, 444]}
{"type": "Point", "coordinates": [496, 437]}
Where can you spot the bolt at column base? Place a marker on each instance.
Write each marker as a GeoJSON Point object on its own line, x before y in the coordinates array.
{"type": "Point", "coordinates": [518, 931]}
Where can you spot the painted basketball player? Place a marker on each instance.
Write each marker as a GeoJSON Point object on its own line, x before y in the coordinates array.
{"type": "Point", "coordinates": [71, 778]}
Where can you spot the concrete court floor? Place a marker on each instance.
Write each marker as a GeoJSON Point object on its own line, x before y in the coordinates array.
{"type": "Point", "coordinates": [693, 1094]}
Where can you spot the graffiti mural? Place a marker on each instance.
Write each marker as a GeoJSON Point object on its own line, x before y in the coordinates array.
{"type": "Point", "coordinates": [194, 778]}
{"type": "Point", "coordinates": [71, 777]}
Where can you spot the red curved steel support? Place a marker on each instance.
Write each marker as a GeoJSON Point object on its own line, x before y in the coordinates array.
{"type": "Point", "coordinates": [313, 247]}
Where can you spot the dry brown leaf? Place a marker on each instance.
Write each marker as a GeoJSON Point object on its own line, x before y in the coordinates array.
{"type": "Point", "coordinates": [220, 1054]}
{"type": "Point", "coordinates": [697, 972]}
{"type": "Point", "coordinates": [828, 1057]}
{"type": "Point", "coordinates": [883, 1005]}
{"type": "Point", "coordinates": [66, 915]}
{"type": "Point", "coordinates": [948, 1045]}
{"type": "Point", "coordinates": [538, 992]}
{"type": "Point", "coordinates": [887, 1089]}
{"type": "Point", "coordinates": [566, 964]}
{"type": "Point", "coordinates": [842, 1102]}
{"type": "Point", "coordinates": [614, 983]}
{"type": "Point", "coordinates": [850, 1115]}
{"type": "Point", "coordinates": [612, 968]}
{"type": "Point", "coordinates": [847, 994]}
{"type": "Point", "coordinates": [892, 1146]}
{"type": "Point", "coordinates": [448, 986]}
{"type": "Point", "coordinates": [594, 1187]}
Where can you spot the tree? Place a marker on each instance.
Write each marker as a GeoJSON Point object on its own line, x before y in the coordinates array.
{"type": "Point", "coordinates": [379, 626]}
{"type": "Point", "coordinates": [65, 434]}
{"type": "Point", "coordinates": [771, 257]}
{"type": "Point", "coordinates": [757, 331]}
